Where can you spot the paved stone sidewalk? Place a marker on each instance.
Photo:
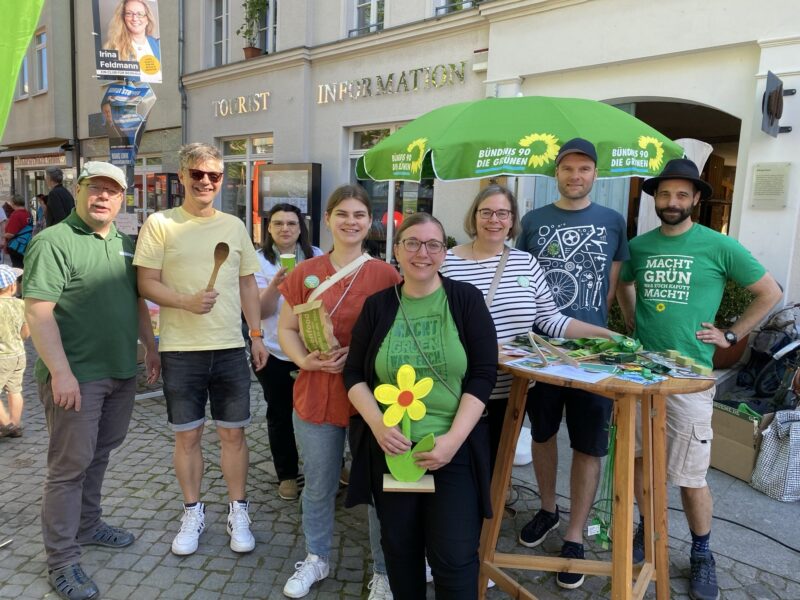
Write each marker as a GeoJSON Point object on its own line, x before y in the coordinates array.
{"type": "Point", "coordinates": [141, 494]}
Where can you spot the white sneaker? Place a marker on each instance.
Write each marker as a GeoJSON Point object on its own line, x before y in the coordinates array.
{"type": "Point", "coordinates": [309, 571]}
{"type": "Point", "coordinates": [193, 522]}
{"type": "Point", "coordinates": [379, 587]}
{"type": "Point", "coordinates": [239, 527]}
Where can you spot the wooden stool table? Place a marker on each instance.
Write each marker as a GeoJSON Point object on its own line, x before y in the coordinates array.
{"type": "Point", "coordinates": [625, 395]}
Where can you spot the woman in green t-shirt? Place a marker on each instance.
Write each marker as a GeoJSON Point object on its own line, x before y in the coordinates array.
{"type": "Point", "coordinates": [443, 330]}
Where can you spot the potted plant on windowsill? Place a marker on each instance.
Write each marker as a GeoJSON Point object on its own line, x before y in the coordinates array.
{"type": "Point", "coordinates": [254, 11]}
{"type": "Point", "coordinates": [735, 300]}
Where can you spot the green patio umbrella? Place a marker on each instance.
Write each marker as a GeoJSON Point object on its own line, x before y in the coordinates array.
{"type": "Point", "coordinates": [515, 136]}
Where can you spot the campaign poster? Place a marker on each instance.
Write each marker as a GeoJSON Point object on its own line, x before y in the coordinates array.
{"type": "Point", "coordinates": [127, 40]}
{"type": "Point", "coordinates": [125, 108]}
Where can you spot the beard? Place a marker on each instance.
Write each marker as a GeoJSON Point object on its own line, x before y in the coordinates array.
{"type": "Point", "coordinates": [674, 218]}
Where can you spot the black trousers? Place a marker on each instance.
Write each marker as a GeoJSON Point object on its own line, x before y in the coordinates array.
{"type": "Point", "coordinates": [277, 383]}
{"type": "Point", "coordinates": [16, 258]}
{"type": "Point", "coordinates": [445, 526]}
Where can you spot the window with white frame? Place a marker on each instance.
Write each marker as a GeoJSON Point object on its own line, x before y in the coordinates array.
{"type": "Point", "coordinates": [40, 50]}
{"type": "Point", "coordinates": [443, 7]}
{"type": "Point", "coordinates": [23, 84]}
{"type": "Point", "coordinates": [410, 197]}
{"type": "Point", "coordinates": [219, 32]}
{"type": "Point", "coordinates": [268, 28]}
{"type": "Point", "coordinates": [241, 156]}
{"type": "Point", "coordinates": [368, 17]}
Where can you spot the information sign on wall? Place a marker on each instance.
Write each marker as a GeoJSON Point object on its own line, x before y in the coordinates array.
{"type": "Point", "coordinates": [771, 185]}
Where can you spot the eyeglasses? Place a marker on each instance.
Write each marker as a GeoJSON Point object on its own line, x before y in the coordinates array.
{"type": "Point", "coordinates": [486, 213]}
{"type": "Point", "coordinates": [413, 245]}
{"type": "Point", "coordinates": [282, 224]}
{"type": "Point", "coordinates": [99, 189]}
{"type": "Point", "coordinates": [198, 175]}
{"type": "Point", "coordinates": [129, 14]}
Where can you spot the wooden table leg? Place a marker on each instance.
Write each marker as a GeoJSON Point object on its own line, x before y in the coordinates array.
{"type": "Point", "coordinates": [512, 422]}
{"type": "Point", "coordinates": [660, 519]}
{"type": "Point", "coordinates": [622, 548]}
{"type": "Point", "coordinates": [646, 509]}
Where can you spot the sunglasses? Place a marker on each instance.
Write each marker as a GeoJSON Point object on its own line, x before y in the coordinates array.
{"type": "Point", "coordinates": [198, 175]}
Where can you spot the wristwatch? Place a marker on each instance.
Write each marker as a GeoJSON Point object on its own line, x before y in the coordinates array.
{"type": "Point", "coordinates": [731, 337]}
{"type": "Point", "coordinates": [257, 333]}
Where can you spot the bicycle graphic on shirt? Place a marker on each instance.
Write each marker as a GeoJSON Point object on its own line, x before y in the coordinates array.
{"type": "Point", "coordinates": [574, 262]}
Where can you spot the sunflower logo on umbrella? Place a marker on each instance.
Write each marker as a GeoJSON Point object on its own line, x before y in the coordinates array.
{"type": "Point", "coordinates": [549, 153]}
{"type": "Point", "coordinates": [418, 144]}
{"type": "Point", "coordinates": [655, 162]}
{"type": "Point", "coordinates": [404, 405]}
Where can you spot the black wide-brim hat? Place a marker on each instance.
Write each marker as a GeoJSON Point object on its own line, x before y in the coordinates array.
{"type": "Point", "coordinates": [679, 168]}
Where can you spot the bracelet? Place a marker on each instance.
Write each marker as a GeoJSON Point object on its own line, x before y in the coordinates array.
{"type": "Point", "coordinates": [257, 333]}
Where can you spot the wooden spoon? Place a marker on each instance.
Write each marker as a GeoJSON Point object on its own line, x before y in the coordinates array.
{"type": "Point", "coordinates": [221, 251]}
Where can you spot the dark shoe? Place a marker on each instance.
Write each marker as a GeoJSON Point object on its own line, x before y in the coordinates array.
{"type": "Point", "coordinates": [536, 531]}
{"type": "Point", "coordinates": [10, 430]}
{"type": "Point", "coordinates": [110, 537]}
{"type": "Point", "coordinates": [703, 582]}
{"type": "Point", "coordinates": [570, 581]}
{"type": "Point", "coordinates": [71, 583]}
{"type": "Point", "coordinates": [638, 544]}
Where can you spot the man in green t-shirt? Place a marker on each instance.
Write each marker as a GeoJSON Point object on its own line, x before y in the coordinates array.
{"type": "Point", "coordinates": [680, 271]}
{"type": "Point", "coordinates": [84, 313]}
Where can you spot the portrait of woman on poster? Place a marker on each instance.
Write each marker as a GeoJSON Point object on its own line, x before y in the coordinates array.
{"type": "Point", "coordinates": [131, 33]}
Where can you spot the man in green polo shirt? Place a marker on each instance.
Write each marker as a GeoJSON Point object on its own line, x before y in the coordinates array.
{"type": "Point", "coordinates": [84, 312]}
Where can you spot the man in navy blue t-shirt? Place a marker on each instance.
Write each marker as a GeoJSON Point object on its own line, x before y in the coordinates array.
{"type": "Point", "coordinates": [581, 246]}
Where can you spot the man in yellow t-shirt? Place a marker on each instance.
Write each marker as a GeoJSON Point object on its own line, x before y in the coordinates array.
{"type": "Point", "coordinates": [202, 349]}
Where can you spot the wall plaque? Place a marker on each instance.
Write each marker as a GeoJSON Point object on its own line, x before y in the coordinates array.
{"type": "Point", "coordinates": [770, 185]}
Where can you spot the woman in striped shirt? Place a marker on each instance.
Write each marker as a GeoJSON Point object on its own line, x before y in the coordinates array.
{"type": "Point", "coordinates": [522, 298]}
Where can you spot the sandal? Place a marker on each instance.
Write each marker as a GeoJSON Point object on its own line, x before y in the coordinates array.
{"type": "Point", "coordinates": [14, 431]}
{"type": "Point", "coordinates": [110, 537]}
{"type": "Point", "coordinates": [71, 583]}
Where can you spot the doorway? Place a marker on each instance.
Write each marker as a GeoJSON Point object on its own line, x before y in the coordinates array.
{"type": "Point", "coordinates": [721, 130]}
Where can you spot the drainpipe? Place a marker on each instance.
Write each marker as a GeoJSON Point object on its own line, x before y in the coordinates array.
{"type": "Point", "coordinates": [184, 100]}
{"type": "Point", "coordinates": [76, 144]}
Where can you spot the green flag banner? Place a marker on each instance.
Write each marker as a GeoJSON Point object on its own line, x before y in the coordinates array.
{"type": "Point", "coordinates": [16, 29]}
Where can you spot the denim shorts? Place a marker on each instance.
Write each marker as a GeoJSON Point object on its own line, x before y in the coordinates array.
{"type": "Point", "coordinates": [191, 378]}
{"type": "Point", "coordinates": [588, 416]}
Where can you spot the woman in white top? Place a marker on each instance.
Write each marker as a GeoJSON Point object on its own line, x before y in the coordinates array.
{"type": "Point", "coordinates": [286, 234]}
{"type": "Point", "coordinates": [522, 298]}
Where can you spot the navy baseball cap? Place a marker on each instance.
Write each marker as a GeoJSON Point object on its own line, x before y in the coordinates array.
{"type": "Point", "coordinates": [579, 146]}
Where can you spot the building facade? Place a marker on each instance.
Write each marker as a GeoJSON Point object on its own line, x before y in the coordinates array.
{"type": "Point", "coordinates": [338, 76]}
{"type": "Point", "coordinates": [43, 129]}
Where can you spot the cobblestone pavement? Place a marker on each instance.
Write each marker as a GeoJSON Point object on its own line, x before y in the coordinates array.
{"type": "Point", "coordinates": [142, 495]}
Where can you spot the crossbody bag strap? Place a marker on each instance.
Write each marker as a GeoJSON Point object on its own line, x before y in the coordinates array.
{"type": "Point", "coordinates": [339, 275]}
{"type": "Point", "coordinates": [498, 273]}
